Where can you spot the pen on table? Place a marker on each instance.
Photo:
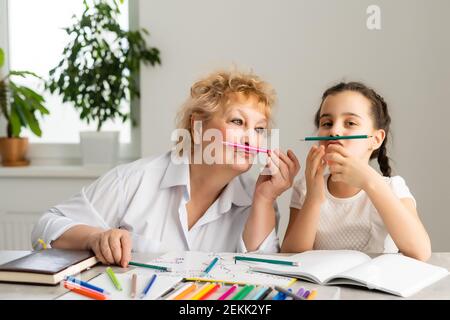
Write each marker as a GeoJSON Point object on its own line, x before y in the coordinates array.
{"type": "Point", "coordinates": [325, 138]}
{"type": "Point", "coordinates": [113, 278]}
{"type": "Point", "coordinates": [133, 285]}
{"type": "Point", "coordinates": [228, 292]}
{"type": "Point", "coordinates": [149, 285]}
{"type": "Point", "coordinates": [211, 265]}
{"type": "Point", "coordinates": [93, 294]}
{"type": "Point", "coordinates": [150, 266]}
{"type": "Point", "coordinates": [288, 292]}
{"type": "Point", "coordinates": [86, 284]}
{"type": "Point", "coordinates": [244, 147]}
{"type": "Point", "coordinates": [254, 259]}
{"type": "Point", "coordinates": [215, 280]}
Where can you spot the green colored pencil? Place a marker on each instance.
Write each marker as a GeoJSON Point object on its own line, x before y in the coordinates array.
{"type": "Point", "coordinates": [113, 278]}
{"type": "Point", "coordinates": [243, 292]}
{"type": "Point", "coordinates": [324, 138]}
{"type": "Point", "coordinates": [284, 262]}
{"type": "Point", "coordinates": [150, 266]}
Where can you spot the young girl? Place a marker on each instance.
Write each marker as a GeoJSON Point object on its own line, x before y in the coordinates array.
{"type": "Point", "coordinates": [353, 206]}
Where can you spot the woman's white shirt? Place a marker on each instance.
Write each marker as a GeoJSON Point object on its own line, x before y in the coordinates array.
{"type": "Point", "coordinates": [148, 198]}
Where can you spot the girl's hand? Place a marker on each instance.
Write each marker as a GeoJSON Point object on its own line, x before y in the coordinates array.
{"type": "Point", "coordinates": [315, 166]}
{"type": "Point", "coordinates": [346, 168]}
{"type": "Point", "coordinates": [282, 171]}
{"type": "Point", "coordinates": [111, 247]}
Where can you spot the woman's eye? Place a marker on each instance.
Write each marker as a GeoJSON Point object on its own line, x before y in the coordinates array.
{"type": "Point", "coordinates": [239, 122]}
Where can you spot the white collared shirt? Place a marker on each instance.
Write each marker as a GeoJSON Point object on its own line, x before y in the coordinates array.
{"type": "Point", "coordinates": [148, 197]}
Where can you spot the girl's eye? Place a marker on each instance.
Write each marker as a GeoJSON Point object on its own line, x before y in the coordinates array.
{"type": "Point", "coordinates": [239, 122]}
{"type": "Point", "coordinates": [326, 124]}
{"type": "Point", "coordinates": [351, 123]}
{"type": "Point", "coordinates": [260, 130]}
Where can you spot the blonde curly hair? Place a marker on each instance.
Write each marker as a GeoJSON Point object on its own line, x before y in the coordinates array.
{"type": "Point", "coordinates": [215, 92]}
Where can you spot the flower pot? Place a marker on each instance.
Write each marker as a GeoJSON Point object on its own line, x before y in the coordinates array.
{"type": "Point", "coordinates": [99, 148]}
{"type": "Point", "coordinates": [13, 152]}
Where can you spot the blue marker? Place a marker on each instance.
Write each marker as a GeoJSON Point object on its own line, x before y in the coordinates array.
{"type": "Point", "coordinates": [149, 285]}
{"type": "Point", "coordinates": [86, 284]}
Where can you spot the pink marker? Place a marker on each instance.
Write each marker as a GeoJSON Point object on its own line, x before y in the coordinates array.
{"type": "Point", "coordinates": [248, 148]}
{"type": "Point", "coordinates": [228, 292]}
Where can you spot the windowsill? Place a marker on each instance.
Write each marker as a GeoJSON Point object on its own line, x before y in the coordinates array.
{"type": "Point", "coordinates": [53, 171]}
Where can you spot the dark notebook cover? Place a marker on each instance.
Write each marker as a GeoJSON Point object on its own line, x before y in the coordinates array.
{"type": "Point", "coordinates": [50, 261]}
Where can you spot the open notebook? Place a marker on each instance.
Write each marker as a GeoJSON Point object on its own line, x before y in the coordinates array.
{"type": "Point", "coordinates": [391, 273]}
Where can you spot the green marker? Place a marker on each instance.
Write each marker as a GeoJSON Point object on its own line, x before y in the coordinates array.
{"type": "Point", "coordinates": [324, 138]}
{"type": "Point", "coordinates": [244, 292]}
{"type": "Point", "coordinates": [113, 278]}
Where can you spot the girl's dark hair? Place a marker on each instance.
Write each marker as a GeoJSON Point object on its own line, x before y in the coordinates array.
{"type": "Point", "coordinates": [380, 114]}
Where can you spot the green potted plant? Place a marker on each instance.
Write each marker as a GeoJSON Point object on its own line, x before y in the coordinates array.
{"type": "Point", "coordinates": [19, 106]}
{"type": "Point", "coordinates": [97, 74]}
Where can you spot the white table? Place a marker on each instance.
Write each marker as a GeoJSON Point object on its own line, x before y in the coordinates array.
{"type": "Point", "coordinates": [437, 291]}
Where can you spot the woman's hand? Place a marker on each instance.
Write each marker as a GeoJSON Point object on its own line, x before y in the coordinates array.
{"type": "Point", "coordinates": [346, 168]}
{"type": "Point", "coordinates": [282, 171]}
{"type": "Point", "coordinates": [315, 166]}
{"type": "Point", "coordinates": [111, 247]}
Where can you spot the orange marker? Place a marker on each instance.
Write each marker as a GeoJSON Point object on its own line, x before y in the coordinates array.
{"type": "Point", "coordinates": [210, 291]}
{"type": "Point", "coordinates": [85, 291]}
{"type": "Point", "coordinates": [185, 292]}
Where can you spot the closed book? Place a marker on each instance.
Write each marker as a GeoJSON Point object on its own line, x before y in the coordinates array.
{"type": "Point", "coordinates": [49, 266]}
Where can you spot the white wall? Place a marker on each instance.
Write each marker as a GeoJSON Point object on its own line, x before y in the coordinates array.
{"type": "Point", "coordinates": [302, 47]}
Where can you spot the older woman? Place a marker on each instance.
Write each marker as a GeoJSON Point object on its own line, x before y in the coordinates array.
{"type": "Point", "coordinates": [159, 204]}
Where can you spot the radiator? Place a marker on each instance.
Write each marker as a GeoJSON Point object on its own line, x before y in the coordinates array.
{"type": "Point", "coordinates": [15, 230]}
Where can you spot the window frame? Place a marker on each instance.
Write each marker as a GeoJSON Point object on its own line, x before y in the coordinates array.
{"type": "Point", "coordinates": [70, 153]}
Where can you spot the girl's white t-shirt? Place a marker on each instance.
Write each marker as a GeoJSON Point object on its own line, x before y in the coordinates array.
{"type": "Point", "coordinates": [351, 223]}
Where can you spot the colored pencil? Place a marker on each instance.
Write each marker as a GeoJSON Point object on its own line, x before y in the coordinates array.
{"type": "Point", "coordinates": [228, 292]}
{"type": "Point", "coordinates": [149, 285]}
{"type": "Point", "coordinates": [184, 291]}
{"type": "Point", "coordinates": [283, 262]}
{"type": "Point", "coordinates": [325, 138]}
{"type": "Point", "coordinates": [243, 293]}
{"type": "Point", "coordinates": [288, 292]}
{"type": "Point", "coordinates": [93, 294]}
{"type": "Point", "coordinates": [150, 266]}
{"type": "Point", "coordinates": [244, 147]}
{"type": "Point", "coordinates": [113, 278]}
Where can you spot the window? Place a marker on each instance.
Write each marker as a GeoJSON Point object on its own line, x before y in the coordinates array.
{"type": "Point", "coordinates": [35, 41]}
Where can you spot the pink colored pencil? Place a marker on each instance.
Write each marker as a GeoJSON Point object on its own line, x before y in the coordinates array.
{"type": "Point", "coordinates": [248, 148]}
{"type": "Point", "coordinates": [228, 292]}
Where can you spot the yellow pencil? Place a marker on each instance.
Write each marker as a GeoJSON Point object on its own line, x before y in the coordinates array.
{"type": "Point", "coordinates": [215, 280]}
{"type": "Point", "coordinates": [203, 290]}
